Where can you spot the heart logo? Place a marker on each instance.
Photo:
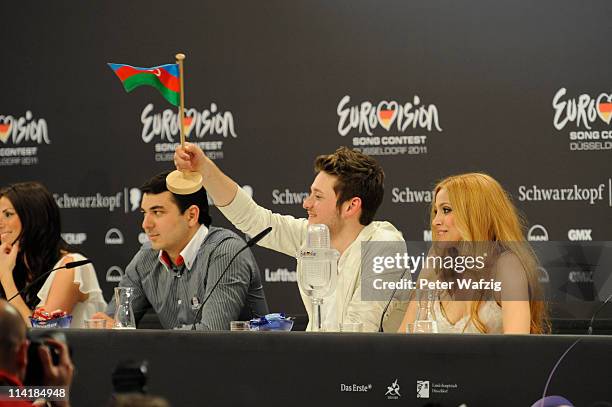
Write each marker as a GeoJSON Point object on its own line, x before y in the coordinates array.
{"type": "Point", "coordinates": [604, 107]}
{"type": "Point", "coordinates": [386, 113]}
{"type": "Point", "coordinates": [6, 123]}
{"type": "Point", "coordinates": [188, 121]}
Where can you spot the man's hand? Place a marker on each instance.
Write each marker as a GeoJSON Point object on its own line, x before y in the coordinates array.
{"type": "Point", "coordinates": [60, 375]}
{"type": "Point", "coordinates": [110, 323]}
{"type": "Point", "coordinates": [218, 186]}
{"type": "Point", "coordinates": [190, 158]}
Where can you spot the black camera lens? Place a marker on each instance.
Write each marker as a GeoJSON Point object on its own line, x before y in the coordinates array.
{"type": "Point", "coordinates": [38, 337]}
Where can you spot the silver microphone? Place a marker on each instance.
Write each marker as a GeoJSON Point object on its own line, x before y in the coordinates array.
{"type": "Point", "coordinates": [318, 265]}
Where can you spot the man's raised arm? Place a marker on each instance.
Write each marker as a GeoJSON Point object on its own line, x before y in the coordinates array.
{"type": "Point", "coordinates": [219, 186]}
{"type": "Point", "coordinates": [287, 233]}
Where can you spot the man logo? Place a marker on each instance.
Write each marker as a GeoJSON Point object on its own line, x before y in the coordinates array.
{"type": "Point", "coordinates": [537, 233]}
{"type": "Point", "coordinates": [583, 235]}
{"type": "Point", "coordinates": [422, 389]}
{"type": "Point", "coordinates": [543, 276]}
{"type": "Point", "coordinates": [114, 274]}
{"type": "Point", "coordinates": [393, 391]}
{"type": "Point", "coordinates": [142, 238]}
{"type": "Point", "coordinates": [427, 235]}
{"type": "Point", "coordinates": [113, 236]}
{"type": "Point", "coordinates": [135, 197]}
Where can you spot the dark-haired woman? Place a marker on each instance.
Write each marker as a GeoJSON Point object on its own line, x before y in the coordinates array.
{"type": "Point", "coordinates": [31, 244]}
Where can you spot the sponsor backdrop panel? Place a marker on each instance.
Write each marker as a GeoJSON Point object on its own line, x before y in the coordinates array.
{"type": "Point", "coordinates": [521, 91]}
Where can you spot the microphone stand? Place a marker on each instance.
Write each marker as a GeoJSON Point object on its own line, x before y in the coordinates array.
{"type": "Point", "coordinates": [68, 265]}
{"type": "Point", "coordinates": [250, 243]}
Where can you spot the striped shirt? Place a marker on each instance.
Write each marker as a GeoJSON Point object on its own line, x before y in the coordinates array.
{"type": "Point", "coordinates": [175, 294]}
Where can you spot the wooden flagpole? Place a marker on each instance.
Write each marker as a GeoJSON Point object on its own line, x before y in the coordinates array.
{"type": "Point", "coordinates": [179, 60]}
{"type": "Point", "coordinates": [183, 182]}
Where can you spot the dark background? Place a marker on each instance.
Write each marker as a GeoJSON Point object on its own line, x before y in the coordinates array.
{"type": "Point", "coordinates": [281, 69]}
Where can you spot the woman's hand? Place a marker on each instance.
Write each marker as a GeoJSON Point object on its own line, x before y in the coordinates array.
{"type": "Point", "coordinates": [8, 259]}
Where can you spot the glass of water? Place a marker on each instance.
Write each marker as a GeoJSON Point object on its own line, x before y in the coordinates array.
{"type": "Point", "coordinates": [425, 321]}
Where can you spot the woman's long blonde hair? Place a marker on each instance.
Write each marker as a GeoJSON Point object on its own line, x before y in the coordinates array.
{"type": "Point", "coordinates": [483, 212]}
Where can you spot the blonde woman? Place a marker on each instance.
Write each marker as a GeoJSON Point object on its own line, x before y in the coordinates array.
{"type": "Point", "coordinates": [472, 210]}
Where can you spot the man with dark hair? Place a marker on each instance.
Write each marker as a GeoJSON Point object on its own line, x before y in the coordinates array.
{"type": "Point", "coordinates": [183, 260]}
{"type": "Point", "coordinates": [357, 175]}
{"type": "Point", "coordinates": [345, 195]}
{"type": "Point", "coordinates": [14, 358]}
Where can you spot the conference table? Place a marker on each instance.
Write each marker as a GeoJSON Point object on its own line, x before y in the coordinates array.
{"type": "Point", "coordinates": [191, 368]}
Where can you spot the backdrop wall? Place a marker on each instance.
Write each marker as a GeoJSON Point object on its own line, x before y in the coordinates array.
{"type": "Point", "coordinates": [520, 90]}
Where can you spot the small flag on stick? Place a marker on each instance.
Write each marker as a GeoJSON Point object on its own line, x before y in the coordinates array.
{"type": "Point", "coordinates": [164, 78]}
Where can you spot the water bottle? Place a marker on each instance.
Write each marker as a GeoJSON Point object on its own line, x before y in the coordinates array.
{"type": "Point", "coordinates": [425, 321]}
{"type": "Point", "coordinates": [124, 315]}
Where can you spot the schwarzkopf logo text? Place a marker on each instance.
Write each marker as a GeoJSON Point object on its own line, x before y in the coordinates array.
{"type": "Point", "coordinates": [574, 193]}
{"type": "Point", "coordinates": [367, 116]}
{"type": "Point", "coordinates": [97, 201]}
{"type": "Point", "coordinates": [129, 199]}
{"type": "Point", "coordinates": [287, 197]}
{"type": "Point", "coordinates": [407, 195]}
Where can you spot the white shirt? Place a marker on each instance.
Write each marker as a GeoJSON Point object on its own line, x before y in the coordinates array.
{"type": "Point", "coordinates": [85, 277]}
{"type": "Point", "coordinates": [189, 252]}
{"type": "Point", "coordinates": [288, 235]}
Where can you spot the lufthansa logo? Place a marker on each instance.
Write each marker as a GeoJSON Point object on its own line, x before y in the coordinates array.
{"type": "Point", "coordinates": [580, 235]}
{"type": "Point", "coordinates": [537, 233]}
{"type": "Point", "coordinates": [113, 236]}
